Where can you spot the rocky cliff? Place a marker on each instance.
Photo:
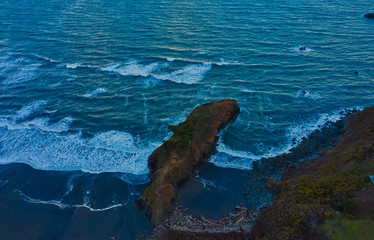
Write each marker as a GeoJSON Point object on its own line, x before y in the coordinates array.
{"type": "Point", "coordinates": [332, 197]}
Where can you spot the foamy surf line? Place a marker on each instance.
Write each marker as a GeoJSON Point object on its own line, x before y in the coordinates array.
{"type": "Point", "coordinates": [189, 74]}
{"type": "Point", "coordinates": [228, 158]}
{"type": "Point", "coordinates": [221, 62]}
{"type": "Point", "coordinates": [45, 149]}
{"type": "Point", "coordinates": [27, 138]}
{"type": "Point", "coordinates": [133, 68]}
{"type": "Point", "coordinates": [63, 205]}
{"type": "Point", "coordinates": [17, 69]}
{"type": "Point", "coordinates": [59, 62]}
{"type": "Point", "coordinates": [95, 92]}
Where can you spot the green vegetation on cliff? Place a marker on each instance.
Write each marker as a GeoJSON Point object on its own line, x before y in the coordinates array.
{"type": "Point", "coordinates": [348, 229]}
{"type": "Point", "coordinates": [335, 186]}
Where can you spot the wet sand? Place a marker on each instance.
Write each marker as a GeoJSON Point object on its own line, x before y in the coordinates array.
{"type": "Point", "coordinates": [214, 192]}
{"type": "Point", "coordinates": [20, 219]}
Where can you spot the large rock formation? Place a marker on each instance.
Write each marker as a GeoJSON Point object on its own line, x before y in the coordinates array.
{"type": "Point", "coordinates": [192, 143]}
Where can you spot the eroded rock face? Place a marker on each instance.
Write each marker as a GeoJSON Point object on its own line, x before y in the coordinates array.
{"type": "Point", "coordinates": [191, 145]}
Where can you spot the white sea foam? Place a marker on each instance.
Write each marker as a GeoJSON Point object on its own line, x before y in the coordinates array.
{"type": "Point", "coordinates": [150, 82]}
{"type": "Point", "coordinates": [134, 179]}
{"type": "Point", "coordinates": [170, 59]}
{"type": "Point", "coordinates": [302, 49]}
{"type": "Point", "coordinates": [210, 184]}
{"type": "Point", "coordinates": [62, 205]}
{"type": "Point", "coordinates": [50, 151]}
{"type": "Point", "coordinates": [229, 158]}
{"type": "Point", "coordinates": [145, 118]}
{"type": "Point", "coordinates": [190, 74]}
{"type": "Point", "coordinates": [55, 84]}
{"type": "Point", "coordinates": [45, 58]}
{"type": "Point", "coordinates": [61, 126]}
{"type": "Point", "coordinates": [29, 109]}
{"type": "Point", "coordinates": [223, 61]}
{"type": "Point", "coordinates": [5, 64]}
{"type": "Point", "coordinates": [73, 65]}
{"type": "Point", "coordinates": [39, 143]}
{"type": "Point", "coordinates": [246, 90]}
{"type": "Point", "coordinates": [132, 68]}
{"type": "Point", "coordinates": [4, 41]}
{"type": "Point", "coordinates": [17, 120]}
{"type": "Point", "coordinates": [116, 140]}
{"type": "Point", "coordinates": [295, 134]}
{"type": "Point", "coordinates": [303, 93]}
{"type": "Point", "coordinates": [95, 92]}
{"type": "Point", "coordinates": [70, 184]}
{"type": "Point", "coordinates": [225, 160]}
{"type": "Point", "coordinates": [18, 71]}
{"type": "Point", "coordinates": [111, 67]}
{"type": "Point", "coordinates": [40, 123]}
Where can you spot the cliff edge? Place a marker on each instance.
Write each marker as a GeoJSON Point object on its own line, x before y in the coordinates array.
{"type": "Point", "coordinates": [333, 196]}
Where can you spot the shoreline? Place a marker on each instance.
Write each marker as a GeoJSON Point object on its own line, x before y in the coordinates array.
{"type": "Point", "coordinates": [200, 198]}
{"type": "Point", "coordinates": [257, 190]}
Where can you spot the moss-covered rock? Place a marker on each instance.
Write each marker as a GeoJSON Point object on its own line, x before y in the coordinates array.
{"type": "Point", "coordinates": [191, 144]}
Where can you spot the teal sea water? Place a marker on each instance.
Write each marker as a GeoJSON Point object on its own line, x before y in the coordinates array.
{"type": "Point", "coordinates": [88, 88]}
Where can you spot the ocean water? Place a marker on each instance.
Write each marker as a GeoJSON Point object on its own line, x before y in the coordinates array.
{"type": "Point", "coordinates": [88, 88]}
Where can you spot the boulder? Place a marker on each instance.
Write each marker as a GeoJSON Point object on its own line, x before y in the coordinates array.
{"type": "Point", "coordinates": [177, 159]}
{"type": "Point", "coordinates": [369, 15]}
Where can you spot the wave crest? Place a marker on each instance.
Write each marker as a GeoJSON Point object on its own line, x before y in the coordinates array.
{"type": "Point", "coordinates": [190, 74]}
{"type": "Point", "coordinates": [229, 158]}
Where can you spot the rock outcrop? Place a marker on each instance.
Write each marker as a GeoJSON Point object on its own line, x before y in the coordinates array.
{"type": "Point", "coordinates": [369, 15]}
{"type": "Point", "coordinates": [191, 144]}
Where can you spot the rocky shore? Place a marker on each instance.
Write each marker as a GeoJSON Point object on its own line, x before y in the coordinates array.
{"type": "Point", "coordinates": [330, 197]}
{"type": "Point", "coordinates": [180, 225]}
{"type": "Point", "coordinates": [191, 144]}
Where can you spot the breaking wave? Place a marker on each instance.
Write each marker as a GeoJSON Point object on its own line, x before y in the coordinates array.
{"type": "Point", "coordinates": [132, 68]}
{"type": "Point", "coordinates": [51, 146]}
{"type": "Point", "coordinates": [223, 62]}
{"type": "Point", "coordinates": [59, 203]}
{"type": "Point", "coordinates": [229, 158]}
{"type": "Point", "coordinates": [190, 74]}
{"type": "Point", "coordinates": [73, 65]}
{"type": "Point", "coordinates": [303, 93]}
{"type": "Point", "coordinates": [95, 92]}
{"type": "Point", "coordinates": [17, 69]}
